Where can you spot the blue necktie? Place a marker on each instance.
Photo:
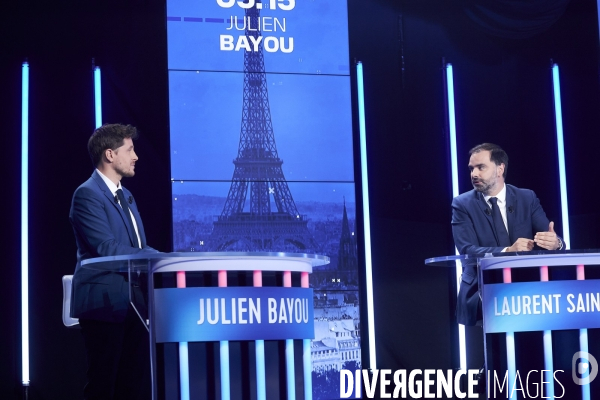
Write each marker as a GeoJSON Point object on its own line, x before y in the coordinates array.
{"type": "Point", "coordinates": [501, 232]}
{"type": "Point", "coordinates": [125, 208]}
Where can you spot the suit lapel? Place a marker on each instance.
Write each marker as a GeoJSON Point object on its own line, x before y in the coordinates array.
{"type": "Point", "coordinates": [118, 208]}
{"type": "Point", "coordinates": [485, 209]}
{"type": "Point", "coordinates": [511, 204]}
{"type": "Point", "coordinates": [136, 216]}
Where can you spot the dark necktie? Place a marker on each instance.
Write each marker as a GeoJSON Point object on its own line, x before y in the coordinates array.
{"type": "Point", "coordinates": [501, 233]}
{"type": "Point", "coordinates": [125, 208]}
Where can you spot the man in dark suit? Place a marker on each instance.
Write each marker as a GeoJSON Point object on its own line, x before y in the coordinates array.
{"type": "Point", "coordinates": [493, 218]}
{"type": "Point", "coordinates": [106, 222]}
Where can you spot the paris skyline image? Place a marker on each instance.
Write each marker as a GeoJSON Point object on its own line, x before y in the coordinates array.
{"type": "Point", "coordinates": [268, 220]}
{"type": "Point", "coordinates": [263, 162]}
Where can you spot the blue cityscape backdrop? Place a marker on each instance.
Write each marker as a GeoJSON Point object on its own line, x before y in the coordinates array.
{"type": "Point", "coordinates": [262, 151]}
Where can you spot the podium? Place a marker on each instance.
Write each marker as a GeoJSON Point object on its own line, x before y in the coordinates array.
{"type": "Point", "coordinates": [542, 305]}
{"type": "Point", "coordinates": [174, 311]}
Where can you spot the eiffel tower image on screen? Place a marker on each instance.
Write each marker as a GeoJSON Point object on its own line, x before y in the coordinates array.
{"type": "Point", "coordinates": [270, 221]}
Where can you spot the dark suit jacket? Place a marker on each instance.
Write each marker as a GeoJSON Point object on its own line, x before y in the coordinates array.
{"type": "Point", "coordinates": [101, 229]}
{"type": "Point", "coordinates": [473, 232]}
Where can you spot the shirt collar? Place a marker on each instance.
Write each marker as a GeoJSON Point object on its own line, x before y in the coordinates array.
{"type": "Point", "coordinates": [501, 196]}
{"type": "Point", "coordinates": [111, 185]}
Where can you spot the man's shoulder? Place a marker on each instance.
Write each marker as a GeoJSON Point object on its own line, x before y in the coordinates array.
{"type": "Point", "coordinates": [89, 184]}
{"type": "Point", "coordinates": [466, 197]}
{"type": "Point", "coordinates": [519, 191]}
{"type": "Point", "coordinates": [91, 188]}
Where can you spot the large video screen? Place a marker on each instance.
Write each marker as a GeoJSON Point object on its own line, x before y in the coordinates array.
{"type": "Point", "coordinates": [262, 150]}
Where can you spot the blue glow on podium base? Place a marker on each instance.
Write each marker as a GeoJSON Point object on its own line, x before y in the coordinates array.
{"type": "Point", "coordinates": [261, 389]}
{"type": "Point", "coordinates": [307, 364]}
{"type": "Point", "coordinates": [184, 374]}
{"type": "Point", "coordinates": [510, 361]}
{"type": "Point", "coordinates": [225, 390]}
{"type": "Point", "coordinates": [366, 216]}
{"type": "Point", "coordinates": [583, 346]}
{"type": "Point", "coordinates": [25, 224]}
{"type": "Point", "coordinates": [289, 369]}
{"type": "Point", "coordinates": [583, 336]}
{"type": "Point", "coordinates": [548, 365]}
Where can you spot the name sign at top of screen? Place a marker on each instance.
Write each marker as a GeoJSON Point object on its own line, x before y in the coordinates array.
{"type": "Point", "coordinates": [252, 42]}
{"type": "Point", "coordinates": [308, 37]}
{"type": "Point", "coordinates": [285, 5]}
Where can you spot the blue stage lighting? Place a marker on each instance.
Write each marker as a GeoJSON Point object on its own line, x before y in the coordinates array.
{"type": "Point", "coordinates": [261, 388]}
{"type": "Point", "coordinates": [564, 204]}
{"type": "Point", "coordinates": [25, 224]}
{"type": "Point", "coordinates": [98, 96]}
{"type": "Point", "coordinates": [452, 126]}
{"type": "Point", "coordinates": [462, 345]}
{"type": "Point", "coordinates": [366, 216]}
{"type": "Point", "coordinates": [583, 347]}
{"type": "Point", "coordinates": [307, 369]}
{"type": "Point", "coordinates": [225, 380]}
{"type": "Point", "coordinates": [289, 369]}
{"type": "Point", "coordinates": [184, 372]}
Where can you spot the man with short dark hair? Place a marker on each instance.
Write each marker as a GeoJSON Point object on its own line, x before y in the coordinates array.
{"type": "Point", "coordinates": [494, 217]}
{"type": "Point", "coordinates": [106, 222]}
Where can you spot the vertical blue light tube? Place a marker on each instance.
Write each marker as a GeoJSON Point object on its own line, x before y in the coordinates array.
{"type": "Point", "coordinates": [452, 126]}
{"type": "Point", "coordinates": [548, 365]}
{"type": "Point", "coordinates": [583, 346]}
{"type": "Point", "coordinates": [184, 374]}
{"type": "Point", "coordinates": [261, 389]}
{"type": "Point", "coordinates": [307, 363]}
{"type": "Point", "coordinates": [511, 363]}
{"type": "Point", "coordinates": [259, 350]}
{"type": "Point", "coordinates": [98, 97]}
{"type": "Point", "coordinates": [366, 215]}
{"type": "Point", "coordinates": [561, 156]}
{"type": "Point", "coordinates": [462, 344]}
{"type": "Point", "coordinates": [25, 223]}
{"type": "Point", "coordinates": [289, 369]}
{"type": "Point", "coordinates": [224, 352]}
{"type": "Point", "coordinates": [564, 204]}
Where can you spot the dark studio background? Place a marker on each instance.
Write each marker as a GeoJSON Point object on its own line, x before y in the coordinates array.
{"type": "Point", "coordinates": [503, 95]}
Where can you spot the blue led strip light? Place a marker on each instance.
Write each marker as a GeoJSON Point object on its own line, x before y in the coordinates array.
{"type": "Point", "coordinates": [261, 388]}
{"type": "Point", "coordinates": [511, 360]}
{"type": "Point", "coordinates": [225, 386]}
{"type": "Point", "coordinates": [25, 224]}
{"type": "Point", "coordinates": [97, 97]}
{"type": "Point", "coordinates": [184, 374]}
{"type": "Point", "coordinates": [564, 203]}
{"type": "Point", "coordinates": [583, 347]}
{"type": "Point", "coordinates": [289, 369]}
{"type": "Point", "coordinates": [261, 385]}
{"type": "Point", "coordinates": [462, 344]}
{"type": "Point", "coordinates": [307, 363]}
{"type": "Point", "coordinates": [366, 216]}
{"type": "Point", "coordinates": [452, 126]}
{"type": "Point", "coordinates": [548, 365]}
{"type": "Point", "coordinates": [560, 145]}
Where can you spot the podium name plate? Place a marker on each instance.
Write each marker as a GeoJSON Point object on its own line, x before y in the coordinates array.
{"type": "Point", "coordinates": [537, 306]}
{"type": "Point", "coordinates": [204, 314]}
